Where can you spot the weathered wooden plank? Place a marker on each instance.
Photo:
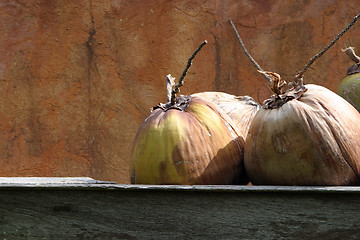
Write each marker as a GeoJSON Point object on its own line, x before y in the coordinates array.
{"type": "Point", "coordinates": [100, 210]}
{"type": "Point", "coordinates": [48, 181]}
{"type": "Point", "coordinates": [86, 182]}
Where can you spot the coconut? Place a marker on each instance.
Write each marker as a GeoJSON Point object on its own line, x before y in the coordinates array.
{"type": "Point", "coordinates": [191, 142]}
{"type": "Point", "coordinates": [306, 135]}
{"type": "Point", "coordinates": [241, 109]}
{"type": "Point", "coordinates": [349, 87]}
{"type": "Point", "coordinates": [187, 140]}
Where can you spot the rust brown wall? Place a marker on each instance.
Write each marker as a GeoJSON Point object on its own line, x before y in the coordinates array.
{"type": "Point", "coordinates": [78, 77]}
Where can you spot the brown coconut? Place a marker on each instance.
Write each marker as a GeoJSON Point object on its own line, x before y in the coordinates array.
{"type": "Point", "coordinates": [241, 109]}
{"type": "Point", "coordinates": [307, 135]}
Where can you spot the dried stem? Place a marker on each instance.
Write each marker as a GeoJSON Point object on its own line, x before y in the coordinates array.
{"type": "Point", "coordinates": [248, 54]}
{"type": "Point", "coordinates": [301, 73]}
{"type": "Point", "coordinates": [356, 67]}
{"type": "Point", "coordinates": [181, 79]}
{"type": "Point", "coordinates": [351, 53]}
{"type": "Point", "coordinates": [170, 82]}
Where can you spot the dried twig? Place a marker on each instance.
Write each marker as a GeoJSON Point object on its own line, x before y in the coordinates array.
{"type": "Point", "coordinates": [248, 54]}
{"type": "Point", "coordinates": [351, 53]}
{"type": "Point", "coordinates": [356, 67]}
{"type": "Point", "coordinates": [301, 73]}
{"type": "Point", "coordinates": [181, 79]}
{"type": "Point", "coordinates": [170, 82]}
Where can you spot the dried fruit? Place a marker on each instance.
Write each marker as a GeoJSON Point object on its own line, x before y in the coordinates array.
{"type": "Point", "coordinates": [188, 140]}
{"type": "Point", "coordinates": [303, 134]}
{"type": "Point", "coordinates": [306, 135]}
{"type": "Point", "coordinates": [191, 143]}
{"type": "Point", "coordinates": [241, 109]}
{"type": "Point", "coordinates": [349, 87]}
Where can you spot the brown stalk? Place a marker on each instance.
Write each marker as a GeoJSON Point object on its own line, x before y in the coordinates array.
{"type": "Point", "coordinates": [351, 53]}
{"type": "Point", "coordinates": [248, 54]}
{"type": "Point", "coordinates": [181, 79]}
{"type": "Point", "coordinates": [299, 76]}
{"type": "Point", "coordinates": [301, 73]}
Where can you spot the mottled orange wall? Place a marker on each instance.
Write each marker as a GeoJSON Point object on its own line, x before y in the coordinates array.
{"type": "Point", "coordinates": [78, 77]}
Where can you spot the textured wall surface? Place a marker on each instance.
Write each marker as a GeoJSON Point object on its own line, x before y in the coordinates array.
{"type": "Point", "coordinates": [77, 78]}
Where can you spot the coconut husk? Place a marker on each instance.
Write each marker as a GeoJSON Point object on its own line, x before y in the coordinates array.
{"type": "Point", "coordinates": [192, 143]}
{"type": "Point", "coordinates": [241, 109]}
{"type": "Point", "coordinates": [310, 140]}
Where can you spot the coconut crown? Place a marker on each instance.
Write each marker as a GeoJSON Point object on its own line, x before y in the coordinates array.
{"type": "Point", "coordinates": [283, 91]}
{"type": "Point", "coordinates": [356, 67]}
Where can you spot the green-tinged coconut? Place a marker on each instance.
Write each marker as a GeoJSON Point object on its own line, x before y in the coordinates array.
{"type": "Point", "coordinates": [241, 109]}
{"type": "Point", "coordinates": [349, 87]}
{"type": "Point", "coordinates": [193, 142]}
{"type": "Point", "coordinates": [307, 135]}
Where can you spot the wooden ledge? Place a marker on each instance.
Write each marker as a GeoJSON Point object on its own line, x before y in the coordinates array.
{"type": "Point", "coordinates": [89, 183]}
{"type": "Point", "coordinates": [84, 208]}
{"type": "Point", "coordinates": [50, 182]}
